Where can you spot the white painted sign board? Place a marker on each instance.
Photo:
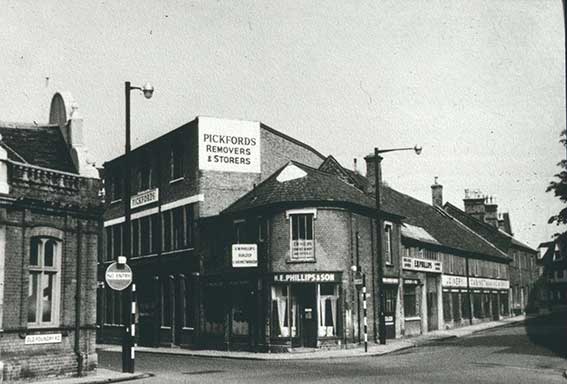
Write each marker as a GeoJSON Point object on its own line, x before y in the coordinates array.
{"type": "Point", "coordinates": [229, 145]}
{"type": "Point", "coordinates": [244, 255]}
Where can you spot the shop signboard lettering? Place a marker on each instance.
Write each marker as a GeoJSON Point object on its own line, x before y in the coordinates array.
{"type": "Point", "coordinates": [474, 282]}
{"type": "Point", "coordinates": [422, 265]}
{"type": "Point", "coordinates": [50, 338]}
{"type": "Point", "coordinates": [244, 255]}
{"type": "Point", "coordinates": [144, 198]}
{"type": "Point", "coordinates": [301, 249]}
{"type": "Point", "coordinates": [229, 145]}
{"type": "Point", "coordinates": [315, 277]}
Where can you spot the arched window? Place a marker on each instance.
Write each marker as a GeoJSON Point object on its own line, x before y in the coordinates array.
{"type": "Point", "coordinates": [44, 276]}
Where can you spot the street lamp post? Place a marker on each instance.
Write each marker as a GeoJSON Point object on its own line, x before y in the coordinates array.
{"type": "Point", "coordinates": [128, 340]}
{"type": "Point", "coordinates": [379, 250]}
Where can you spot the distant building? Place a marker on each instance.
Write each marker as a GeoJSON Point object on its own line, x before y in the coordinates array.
{"type": "Point", "coordinates": [552, 264]}
{"type": "Point", "coordinates": [49, 227]}
{"type": "Point", "coordinates": [481, 216]}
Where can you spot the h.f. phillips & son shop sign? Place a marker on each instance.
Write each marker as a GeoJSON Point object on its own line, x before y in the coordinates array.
{"type": "Point", "coordinates": [229, 145]}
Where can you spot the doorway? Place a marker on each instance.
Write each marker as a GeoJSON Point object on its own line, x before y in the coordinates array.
{"type": "Point", "coordinates": [390, 294]}
{"type": "Point", "coordinates": [432, 307]}
{"type": "Point", "coordinates": [306, 300]}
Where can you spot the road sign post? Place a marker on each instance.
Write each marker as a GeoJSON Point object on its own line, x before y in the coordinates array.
{"type": "Point", "coordinates": [118, 276]}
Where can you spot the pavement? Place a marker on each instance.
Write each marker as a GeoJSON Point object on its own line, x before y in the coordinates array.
{"type": "Point", "coordinates": [109, 376]}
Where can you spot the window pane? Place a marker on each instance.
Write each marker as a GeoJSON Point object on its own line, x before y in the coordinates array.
{"type": "Point", "coordinates": [47, 297]}
{"type": "Point", "coordinates": [34, 251]}
{"type": "Point", "coordinates": [156, 233]}
{"type": "Point", "coordinates": [294, 227]}
{"type": "Point", "coordinates": [189, 225]}
{"type": "Point", "coordinates": [32, 298]}
{"type": "Point", "coordinates": [302, 230]}
{"type": "Point", "coordinates": [167, 231]}
{"type": "Point", "coordinates": [145, 235]}
{"type": "Point", "coordinates": [49, 253]}
{"type": "Point", "coordinates": [309, 227]}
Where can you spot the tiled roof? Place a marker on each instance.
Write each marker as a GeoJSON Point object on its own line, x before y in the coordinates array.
{"type": "Point", "coordinates": [43, 146]}
{"type": "Point", "coordinates": [309, 186]}
{"type": "Point", "coordinates": [448, 231]}
{"type": "Point", "coordinates": [417, 233]}
{"type": "Point", "coordinates": [434, 221]}
{"type": "Point", "coordinates": [500, 239]}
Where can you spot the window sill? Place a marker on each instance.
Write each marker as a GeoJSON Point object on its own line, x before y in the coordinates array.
{"type": "Point", "coordinates": [115, 201]}
{"type": "Point", "coordinates": [307, 261]}
{"type": "Point", "coordinates": [389, 264]}
{"type": "Point", "coordinates": [412, 318]}
{"type": "Point", "coordinates": [176, 180]}
{"type": "Point", "coordinates": [39, 327]}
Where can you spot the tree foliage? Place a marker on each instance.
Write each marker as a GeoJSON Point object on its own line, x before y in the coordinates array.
{"type": "Point", "coordinates": [559, 186]}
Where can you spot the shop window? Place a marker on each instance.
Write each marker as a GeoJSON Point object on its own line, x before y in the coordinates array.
{"type": "Point", "coordinates": [188, 302]}
{"type": "Point", "coordinates": [176, 163]}
{"type": "Point", "coordinates": [302, 244]}
{"type": "Point", "coordinates": [44, 278]}
{"type": "Point", "coordinates": [477, 302]}
{"type": "Point", "coordinates": [388, 243]}
{"type": "Point", "coordinates": [456, 305]}
{"type": "Point", "coordinates": [447, 306]}
{"type": "Point", "coordinates": [411, 303]}
{"type": "Point", "coordinates": [504, 304]}
{"type": "Point", "coordinates": [166, 302]}
{"type": "Point", "coordinates": [465, 306]}
{"type": "Point", "coordinates": [214, 298]}
{"type": "Point", "coordinates": [240, 311]}
{"type": "Point", "coordinates": [282, 311]}
{"type": "Point", "coordinates": [486, 304]}
{"type": "Point", "coordinates": [112, 307]}
{"type": "Point", "coordinates": [328, 298]}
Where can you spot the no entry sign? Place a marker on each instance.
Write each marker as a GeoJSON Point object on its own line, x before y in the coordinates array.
{"type": "Point", "coordinates": [118, 277]}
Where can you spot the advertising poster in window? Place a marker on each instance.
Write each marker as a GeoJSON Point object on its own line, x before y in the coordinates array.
{"type": "Point", "coordinates": [229, 145]}
{"type": "Point", "coordinates": [302, 249]}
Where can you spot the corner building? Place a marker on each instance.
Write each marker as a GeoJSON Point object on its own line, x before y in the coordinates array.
{"type": "Point", "coordinates": [50, 215]}
{"type": "Point", "coordinates": [179, 184]}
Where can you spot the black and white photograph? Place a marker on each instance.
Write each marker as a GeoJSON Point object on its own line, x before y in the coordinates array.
{"type": "Point", "coordinates": [369, 191]}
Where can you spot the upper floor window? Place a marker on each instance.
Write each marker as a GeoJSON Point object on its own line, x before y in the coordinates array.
{"type": "Point", "coordinates": [176, 163]}
{"type": "Point", "coordinates": [301, 236]}
{"type": "Point", "coordinates": [388, 243]}
{"type": "Point", "coordinates": [44, 281]}
{"type": "Point", "coordinates": [239, 227]}
{"type": "Point", "coordinates": [116, 187]}
{"type": "Point", "coordinates": [145, 177]}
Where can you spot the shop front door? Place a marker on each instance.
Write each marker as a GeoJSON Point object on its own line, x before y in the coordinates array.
{"type": "Point", "coordinates": [390, 294]}
{"type": "Point", "coordinates": [432, 308]}
{"type": "Point", "coordinates": [306, 300]}
{"type": "Point", "coordinates": [148, 312]}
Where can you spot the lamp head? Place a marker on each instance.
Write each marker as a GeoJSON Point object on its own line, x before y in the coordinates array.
{"type": "Point", "coordinates": [148, 90]}
{"type": "Point", "coordinates": [417, 150]}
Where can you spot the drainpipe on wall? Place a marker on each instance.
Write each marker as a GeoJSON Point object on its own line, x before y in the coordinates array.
{"type": "Point", "coordinates": [78, 303]}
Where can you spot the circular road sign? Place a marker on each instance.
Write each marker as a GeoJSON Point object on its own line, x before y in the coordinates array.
{"type": "Point", "coordinates": [118, 277]}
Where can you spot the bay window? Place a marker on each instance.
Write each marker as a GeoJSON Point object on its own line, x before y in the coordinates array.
{"type": "Point", "coordinates": [283, 308]}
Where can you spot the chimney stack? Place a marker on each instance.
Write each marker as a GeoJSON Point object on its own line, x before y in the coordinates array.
{"type": "Point", "coordinates": [474, 204]}
{"type": "Point", "coordinates": [437, 193]}
{"type": "Point", "coordinates": [491, 212]}
{"type": "Point", "coordinates": [371, 172]}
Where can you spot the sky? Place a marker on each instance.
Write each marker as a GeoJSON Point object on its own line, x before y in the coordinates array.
{"type": "Point", "coordinates": [480, 85]}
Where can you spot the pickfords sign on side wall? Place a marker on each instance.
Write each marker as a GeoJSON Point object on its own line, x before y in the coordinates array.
{"type": "Point", "coordinates": [229, 145]}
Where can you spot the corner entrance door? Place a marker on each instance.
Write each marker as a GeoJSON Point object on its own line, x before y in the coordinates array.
{"type": "Point", "coordinates": [390, 293]}
{"type": "Point", "coordinates": [306, 299]}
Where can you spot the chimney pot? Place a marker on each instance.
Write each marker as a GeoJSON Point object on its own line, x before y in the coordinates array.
{"type": "Point", "coordinates": [437, 193]}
